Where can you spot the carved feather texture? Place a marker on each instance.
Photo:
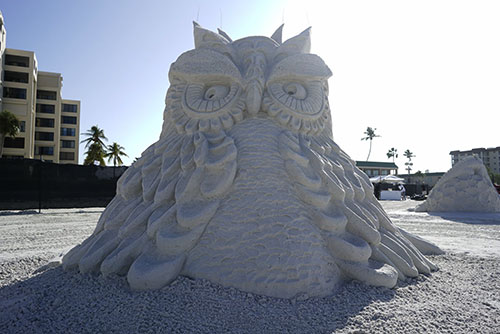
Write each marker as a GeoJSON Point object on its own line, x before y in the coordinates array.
{"type": "Point", "coordinates": [359, 245]}
{"type": "Point", "coordinates": [245, 186]}
{"type": "Point", "coordinates": [147, 237]}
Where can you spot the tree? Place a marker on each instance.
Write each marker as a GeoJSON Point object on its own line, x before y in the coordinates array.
{"type": "Point", "coordinates": [419, 176]}
{"type": "Point", "coordinates": [495, 178]}
{"type": "Point", "coordinates": [9, 127]}
{"type": "Point", "coordinates": [94, 135]}
{"type": "Point", "coordinates": [114, 152]}
{"type": "Point", "coordinates": [370, 134]}
{"type": "Point", "coordinates": [95, 144]}
{"type": "Point", "coordinates": [95, 153]}
{"type": "Point", "coordinates": [392, 153]}
{"type": "Point", "coordinates": [408, 154]}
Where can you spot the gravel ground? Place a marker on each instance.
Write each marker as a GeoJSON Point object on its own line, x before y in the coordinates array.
{"type": "Point", "coordinates": [462, 297]}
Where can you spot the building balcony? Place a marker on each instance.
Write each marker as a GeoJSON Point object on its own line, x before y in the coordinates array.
{"type": "Point", "coordinates": [68, 156]}
{"type": "Point", "coordinates": [9, 100]}
{"type": "Point", "coordinates": [19, 77]}
{"type": "Point", "coordinates": [17, 61]}
{"type": "Point", "coordinates": [44, 151]}
{"type": "Point", "coordinates": [16, 93]}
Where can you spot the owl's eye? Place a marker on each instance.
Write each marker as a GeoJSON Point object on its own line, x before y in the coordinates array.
{"type": "Point", "coordinates": [216, 92]}
{"type": "Point", "coordinates": [300, 104]}
{"type": "Point", "coordinates": [206, 107]}
{"type": "Point", "coordinates": [205, 92]}
{"type": "Point", "coordinates": [296, 90]}
{"type": "Point", "coordinates": [209, 98]}
{"type": "Point", "coordinates": [305, 98]}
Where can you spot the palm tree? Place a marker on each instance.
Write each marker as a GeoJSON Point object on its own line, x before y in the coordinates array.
{"type": "Point", "coordinates": [94, 135]}
{"type": "Point", "coordinates": [95, 154]}
{"type": "Point", "coordinates": [392, 153]}
{"type": "Point", "coordinates": [95, 144]}
{"type": "Point", "coordinates": [114, 152]}
{"type": "Point", "coordinates": [9, 127]}
{"type": "Point", "coordinates": [370, 134]}
{"type": "Point", "coordinates": [408, 154]}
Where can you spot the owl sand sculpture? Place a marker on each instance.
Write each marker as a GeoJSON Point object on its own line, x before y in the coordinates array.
{"type": "Point", "coordinates": [245, 186]}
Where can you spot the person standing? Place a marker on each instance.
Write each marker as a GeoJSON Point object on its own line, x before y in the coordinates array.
{"type": "Point", "coordinates": [402, 189]}
{"type": "Point", "coordinates": [377, 190]}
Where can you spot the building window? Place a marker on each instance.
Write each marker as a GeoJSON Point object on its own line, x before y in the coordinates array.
{"type": "Point", "coordinates": [45, 108]}
{"type": "Point", "coordinates": [47, 136]}
{"type": "Point", "coordinates": [44, 150]}
{"type": "Point", "coordinates": [14, 93]}
{"type": "Point", "coordinates": [16, 76]}
{"type": "Point", "coordinates": [14, 142]}
{"type": "Point", "coordinates": [69, 107]}
{"type": "Point", "coordinates": [46, 95]}
{"type": "Point", "coordinates": [71, 132]}
{"type": "Point", "coordinates": [44, 122]}
{"type": "Point", "coordinates": [68, 144]}
{"type": "Point", "coordinates": [12, 156]}
{"type": "Point", "coordinates": [68, 119]}
{"type": "Point", "coordinates": [20, 61]}
{"type": "Point", "coordinates": [22, 126]}
{"type": "Point", "coordinates": [67, 155]}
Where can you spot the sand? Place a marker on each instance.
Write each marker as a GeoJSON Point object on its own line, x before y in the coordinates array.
{"type": "Point", "coordinates": [51, 300]}
{"type": "Point", "coordinates": [466, 187]}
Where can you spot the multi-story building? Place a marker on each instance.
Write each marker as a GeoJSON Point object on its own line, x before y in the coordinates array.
{"type": "Point", "coordinates": [490, 157]}
{"type": "Point", "coordinates": [50, 125]}
{"type": "Point", "coordinates": [376, 168]}
{"type": "Point", "coordinates": [3, 36]}
{"type": "Point", "coordinates": [18, 97]}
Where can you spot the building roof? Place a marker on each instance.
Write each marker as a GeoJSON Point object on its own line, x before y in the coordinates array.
{"type": "Point", "coordinates": [474, 150]}
{"type": "Point", "coordinates": [424, 174]}
{"type": "Point", "coordinates": [376, 164]}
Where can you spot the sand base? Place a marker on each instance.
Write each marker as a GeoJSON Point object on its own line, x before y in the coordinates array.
{"type": "Point", "coordinates": [56, 301]}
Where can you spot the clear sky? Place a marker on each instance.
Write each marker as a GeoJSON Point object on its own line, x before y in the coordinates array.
{"type": "Point", "coordinates": [425, 74]}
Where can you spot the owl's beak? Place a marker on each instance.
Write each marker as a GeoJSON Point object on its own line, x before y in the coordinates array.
{"type": "Point", "coordinates": [254, 97]}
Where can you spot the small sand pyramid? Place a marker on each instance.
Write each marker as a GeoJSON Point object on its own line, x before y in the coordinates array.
{"type": "Point", "coordinates": [466, 187]}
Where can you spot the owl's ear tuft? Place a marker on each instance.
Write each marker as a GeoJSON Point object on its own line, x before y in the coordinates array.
{"type": "Point", "coordinates": [223, 33]}
{"type": "Point", "coordinates": [277, 36]}
{"type": "Point", "coordinates": [204, 38]}
{"type": "Point", "coordinates": [296, 45]}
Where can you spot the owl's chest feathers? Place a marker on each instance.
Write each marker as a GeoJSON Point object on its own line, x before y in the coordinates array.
{"type": "Point", "coordinates": [262, 192]}
{"type": "Point", "coordinates": [261, 169]}
{"type": "Point", "coordinates": [261, 219]}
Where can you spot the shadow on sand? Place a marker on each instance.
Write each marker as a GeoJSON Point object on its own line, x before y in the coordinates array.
{"type": "Point", "coordinates": [69, 302]}
{"type": "Point", "coordinates": [60, 212]}
{"type": "Point", "coordinates": [474, 218]}
{"type": "Point", "coordinates": [17, 213]}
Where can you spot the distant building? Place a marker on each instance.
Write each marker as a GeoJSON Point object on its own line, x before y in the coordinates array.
{"type": "Point", "coordinates": [375, 168]}
{"type": "Point", "coordinates": [50, 125]}
{"type": "Point", "coordinates": [3, 37]}
{"type": "Point", "coordinates": [429, 179]}
{"type": "Point", "coordinates": [490, 157]}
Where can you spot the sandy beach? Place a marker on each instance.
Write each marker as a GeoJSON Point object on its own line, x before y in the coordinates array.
{"type": "Point", "coordinates": [37, 296]}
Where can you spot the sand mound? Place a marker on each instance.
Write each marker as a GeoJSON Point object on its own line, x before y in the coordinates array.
{"type": "Point", "coordinates": [466, 187]}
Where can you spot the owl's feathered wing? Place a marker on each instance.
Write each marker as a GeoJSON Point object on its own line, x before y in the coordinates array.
{"type": "Point", "coordinates": [162, 206]}
{"type": "Point", "coordinates": [361, 238]}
